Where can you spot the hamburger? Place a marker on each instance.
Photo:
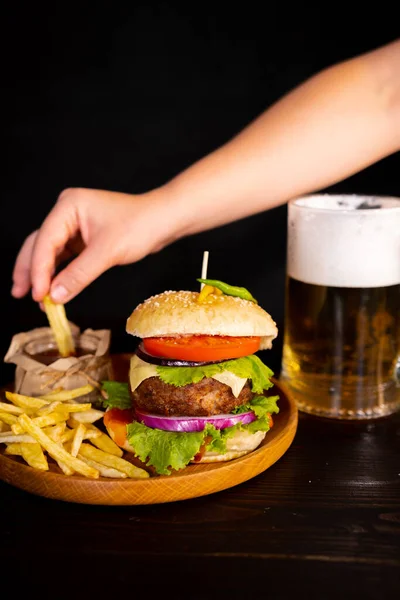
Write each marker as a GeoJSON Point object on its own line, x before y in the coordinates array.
{"type": "Point", "coordinates": [197, 392]}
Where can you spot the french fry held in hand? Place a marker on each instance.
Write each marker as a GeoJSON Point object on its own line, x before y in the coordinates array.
{"type": "Point", "coordinates": [59, 326]}
{"type": "Point", "coordinates": [60, 428]}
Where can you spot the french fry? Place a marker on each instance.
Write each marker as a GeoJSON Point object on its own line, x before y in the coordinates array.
{"type": "Point", "coordinates": [10, 438]}
{"type": "Point", "coordinates": [57, 425]}
{"type": "Point", "coordinates": [89, 434]}
{"type": "Point", "coordinates": [88, 416]}
{"type": "Point", "coordinates": [13, 448]}
{"type": "Point", "coordinates": [11, 408]}
{"type": "Point", "coordinates": [63, 395]}
{"type": "Point", "coordinates": [33, 455]}
{"type": "Point", "coordinates": [67, 435]}
{"type": "Point", "coordinates": [56, 391]}
{"type": "Point", "coordinates": [103, 470]}
{"type": "Point", "coordinates": [77, 440]}
{"type": "Point", "coordinates": [56, 432]}
{"type": "Point", "coordinates": [45, 410]}
{"type": "Point", "coordinates": [109, 460]}
{"type": "Point", "coordinates": [104, 442]}
{"type": "Point", "coordinates": [8, 418]}
{"type": "Point", "coordinates": [45, 421]}
{"type": "Point", "coordinates": [64, 467]}
{"type": "Point", "coordinates": [54, 450]}
{"type": "Point", "coordinates": [4, 427]}
{"type": "Point", "coordinates": [59, 326]}
{"type": "Point", "coordinates": [73, 408]}
{"type": "Point", "coordinates": [92, 435]}
{"type": "Point", "coordinates": [27, 403]}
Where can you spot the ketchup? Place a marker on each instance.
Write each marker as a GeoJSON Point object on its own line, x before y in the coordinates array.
{"type": "Point", "coordinates": [117, 419]}
{"type": "Point", "coordinates": [50, 355]}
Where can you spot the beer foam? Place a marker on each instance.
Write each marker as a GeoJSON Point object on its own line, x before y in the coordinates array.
{"type": "Point", "coordinates": [344, 240]}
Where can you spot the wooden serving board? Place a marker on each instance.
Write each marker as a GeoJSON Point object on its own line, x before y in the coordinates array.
{"type": "Point", "coordinates": [192, 482]}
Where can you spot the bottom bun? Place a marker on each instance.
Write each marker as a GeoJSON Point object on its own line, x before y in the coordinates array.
{"type": "Point", "coordinates": [238, 445]}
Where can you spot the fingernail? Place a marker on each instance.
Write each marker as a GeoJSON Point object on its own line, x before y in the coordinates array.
{"type": "Point", "coordinates": [59, 293]}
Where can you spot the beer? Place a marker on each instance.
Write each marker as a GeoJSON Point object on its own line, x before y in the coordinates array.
{"type": "Point", "coordinates": [342, 317]}
{"type": "Point", "coordinates": [340, 346]}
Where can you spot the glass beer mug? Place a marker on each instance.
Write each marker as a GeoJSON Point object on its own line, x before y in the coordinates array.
{"type": "Point", "coordinates": [342, 317]}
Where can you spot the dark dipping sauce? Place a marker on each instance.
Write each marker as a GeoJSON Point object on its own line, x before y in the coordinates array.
{"type": "Point", "coordinates": [50, 355]}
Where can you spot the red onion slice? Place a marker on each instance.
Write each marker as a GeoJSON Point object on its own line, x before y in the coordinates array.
{"type": "Point", "coordinates": [192, 424]}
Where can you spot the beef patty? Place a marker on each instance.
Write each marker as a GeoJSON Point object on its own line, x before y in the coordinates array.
{"type": "Point", "coordinates": [202, 399]}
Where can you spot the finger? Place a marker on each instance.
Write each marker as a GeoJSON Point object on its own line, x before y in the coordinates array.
{"type": "Point", "coordinates": [59, 226]}
{"type": "Point", "coordinates": [72, 248]}
{"type": "Point", "coordinates": [22, 270]}
{"type": "Point", "coordinates": [91, 263]}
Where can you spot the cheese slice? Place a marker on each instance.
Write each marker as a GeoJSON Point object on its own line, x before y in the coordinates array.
{"type": "Point", "coordinates": [141, 370]}
{"type": "Point", "coordinates": [235, 383]}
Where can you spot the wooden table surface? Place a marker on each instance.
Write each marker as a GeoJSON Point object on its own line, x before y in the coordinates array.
{"type": "Point", "coordinates": [323, 522]}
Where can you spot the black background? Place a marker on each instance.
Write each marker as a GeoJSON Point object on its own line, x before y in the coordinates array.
{"type": "Point", "coordinates": [125, 98]}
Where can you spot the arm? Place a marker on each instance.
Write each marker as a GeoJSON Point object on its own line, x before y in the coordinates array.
{"type": "Point", "coordinates": [335, 124]}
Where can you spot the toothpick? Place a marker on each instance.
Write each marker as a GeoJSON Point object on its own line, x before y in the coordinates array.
{"type": "Point", "coordinates": [204, 267]}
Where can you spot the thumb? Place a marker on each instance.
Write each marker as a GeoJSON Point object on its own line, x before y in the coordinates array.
{"type": "Point", "coordinates": [84, 269]}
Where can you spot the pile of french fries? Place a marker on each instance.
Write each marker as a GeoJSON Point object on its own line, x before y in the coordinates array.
{"type": "Point", "coordinates": [60, 427]}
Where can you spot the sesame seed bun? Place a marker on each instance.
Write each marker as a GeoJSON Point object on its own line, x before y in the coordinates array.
{"type": "Point", "coordinates": [179, 313]}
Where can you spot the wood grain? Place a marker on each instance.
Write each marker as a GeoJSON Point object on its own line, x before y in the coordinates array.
{"type": "Point", "coordinates": [194, 481]}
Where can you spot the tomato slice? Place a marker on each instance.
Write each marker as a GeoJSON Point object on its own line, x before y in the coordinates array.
{"type": "Point", "coordinates": [117, 419]}
{"type": "Point", "coordinates": [202, 348]}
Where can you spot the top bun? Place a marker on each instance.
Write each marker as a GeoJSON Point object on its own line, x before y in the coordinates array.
{"type": "Point", "coordinates": [178, 313]}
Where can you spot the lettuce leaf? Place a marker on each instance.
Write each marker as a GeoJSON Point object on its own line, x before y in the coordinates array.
{"type": "Point", "coordinates": [260, 405]}
{"type": "Point", "coordinates": [118, 395]}
{"type": "Point", "coordinates": [164, 450]}
{"type": "Point", "coordinates": [248, 367]}
{"type": "Point", "coordinates": [167, 450]}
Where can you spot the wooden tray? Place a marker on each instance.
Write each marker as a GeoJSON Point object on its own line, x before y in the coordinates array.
{"type": "Point", "coordinates": [192, 482]}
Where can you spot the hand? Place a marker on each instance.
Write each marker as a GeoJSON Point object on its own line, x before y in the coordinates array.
{"type": "Point", "coordinates": [102, 228]}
